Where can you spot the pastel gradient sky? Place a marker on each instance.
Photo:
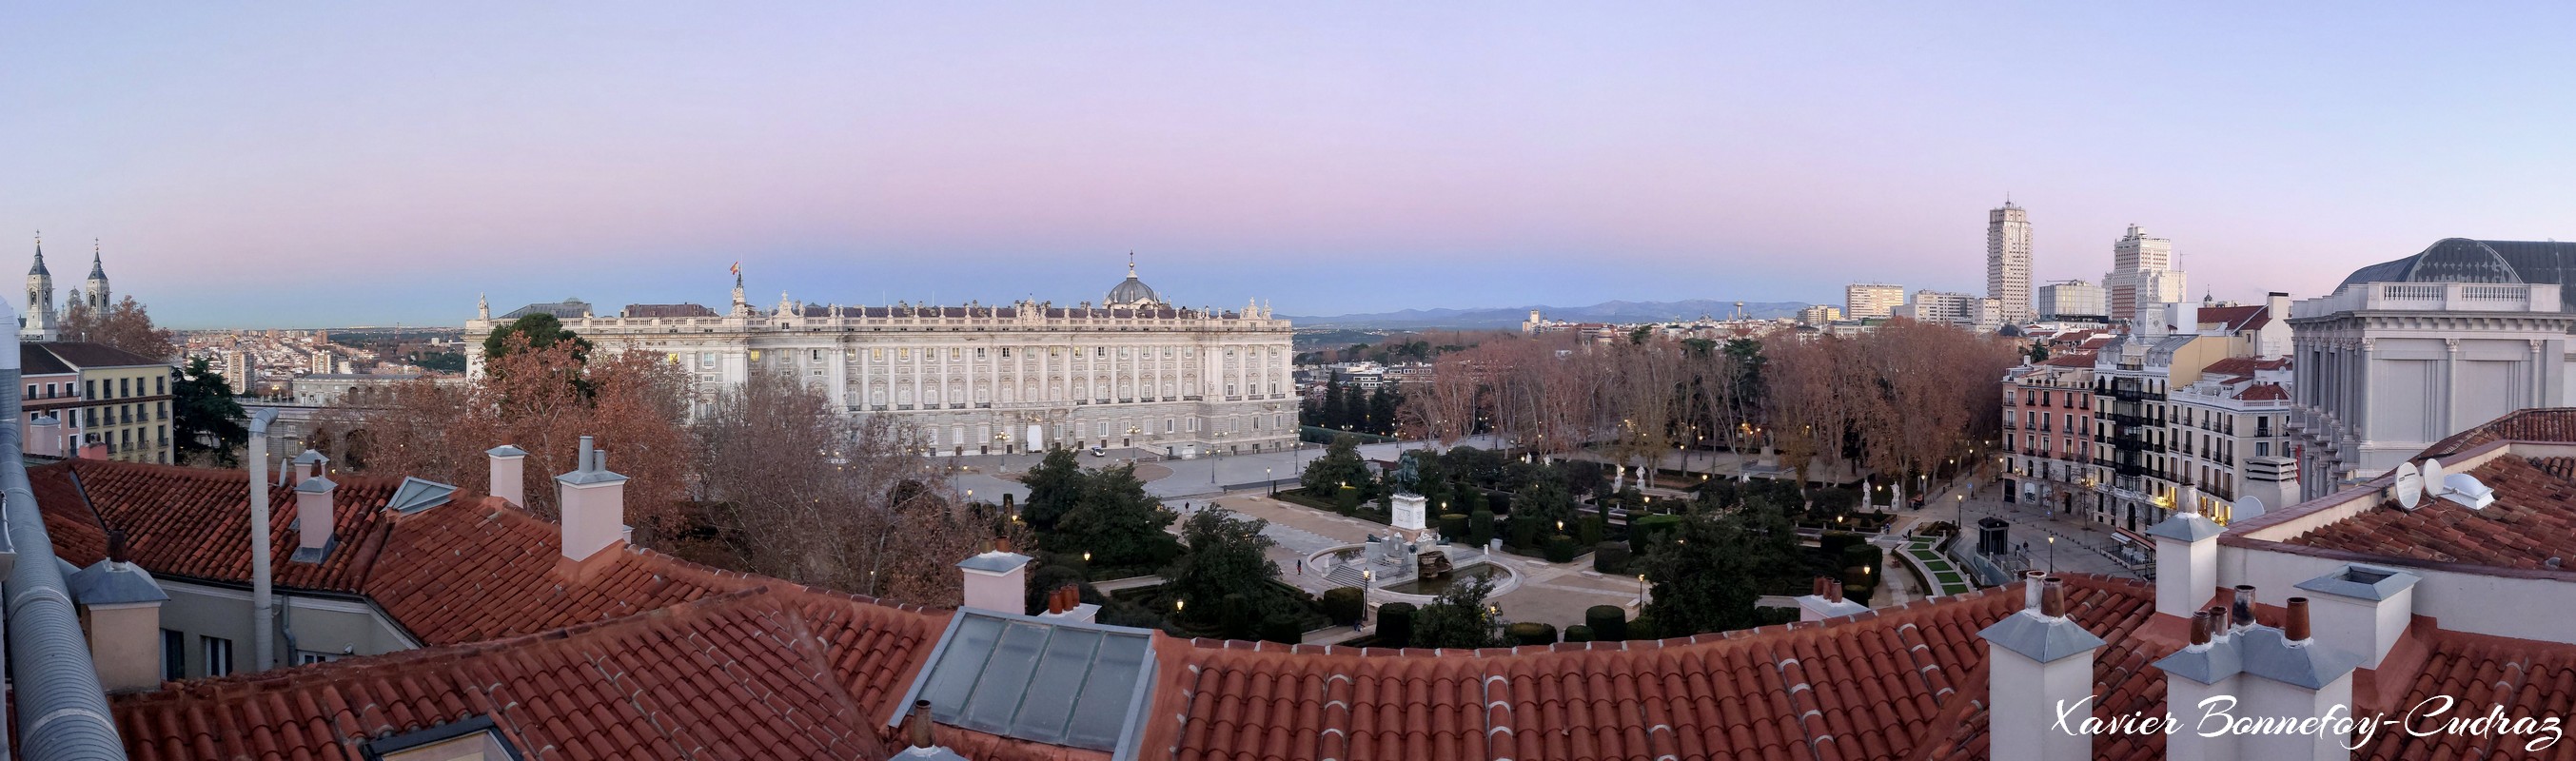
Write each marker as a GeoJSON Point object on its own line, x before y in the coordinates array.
{"type": "Point", "coordinates": [317, 164]}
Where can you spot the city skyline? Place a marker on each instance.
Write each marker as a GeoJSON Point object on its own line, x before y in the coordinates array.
{"type": "Point", "coordinates": [1328, 161]}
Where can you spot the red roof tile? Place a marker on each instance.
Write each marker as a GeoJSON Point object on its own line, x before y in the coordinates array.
{"type": "Point", "coordinates": [1872, 686]}
{"type": "Point", "coordinates": [2532, 520]}
{"type": "Point", "coordinates": [747, 675]}
{"type": "Point", "coordinates": [195, 522]}
{"type": "Point", "coordinates": [2552, 424]}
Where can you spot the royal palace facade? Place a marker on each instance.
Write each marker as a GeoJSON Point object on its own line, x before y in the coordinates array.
{"type": "Point", "coordinates": [1134, 371]}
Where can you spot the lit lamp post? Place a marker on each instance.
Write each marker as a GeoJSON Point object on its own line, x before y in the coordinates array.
{"type": "Point", "coordinates": [2052, 556]}
{"type": "Point", "coordinates": [1272, 479]}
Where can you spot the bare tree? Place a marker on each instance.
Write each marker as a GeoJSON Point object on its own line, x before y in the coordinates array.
{"type": "Point", "coordinates": [125, 325]}
{"type": "Point", "coordinates": [1444, 408]}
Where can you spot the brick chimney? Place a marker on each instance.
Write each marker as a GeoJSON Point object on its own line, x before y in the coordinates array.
{"type": "Point", "coordinates": [594, 504]}
{"type": "Point", "coordinates": [2186, 557]}
{"type": "Point", "coordinates": [122, 606]}
{"type": "Point", "coordinates": [1065, 604]}
{"type": "Point", "coordinates": [997, 580]}
{"type": "Point", "coordinates": [509, 474]}
{"type": "Point", "coordinates": [2038, 660]}
{"type": "Point", "coordinates": [313, 518]}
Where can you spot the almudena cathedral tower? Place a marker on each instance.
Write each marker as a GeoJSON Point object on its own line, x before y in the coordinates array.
{"type": "Point", "coordinates": [1132, 371]}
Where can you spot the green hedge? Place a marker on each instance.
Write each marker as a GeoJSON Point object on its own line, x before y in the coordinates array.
{"type": "Point", "coordinates": [1345, 605]}
{"type": "Point", "coordinates": [1453, 526]}
{"type": "Point", "coordinates": [1530, 633]}
{"type": "Point", "coordinates": [1347, 500]}
{"type": "Point", "coordinates": [1480, 528]}
{"type": "Point", "coordinates": [1578, 633]}
{"type": "Point", "coordinates": [1560, 549]}
{"type": "Point", "coordinates": [1644, 531]}
{"type": "Point", "coordinates": [1281, 629]}
{"type": "Point", "coordinates": [1610, 557]}
{"type": "Point", "coordinates": [1609, 623]}
{"type": "Point", "coordinates": [1395, 624]}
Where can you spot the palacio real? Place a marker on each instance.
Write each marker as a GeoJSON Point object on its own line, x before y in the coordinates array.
{"type": "Point", "coordinates": [1134, 370]}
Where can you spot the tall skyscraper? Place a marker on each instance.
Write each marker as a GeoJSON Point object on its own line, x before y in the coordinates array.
{"type": "Point", "coordinates": [2142, 274]}
{"type": "Point", "coordinates": [1867, 300]}
{"type": "Point", "coordinates": [2008, 260]}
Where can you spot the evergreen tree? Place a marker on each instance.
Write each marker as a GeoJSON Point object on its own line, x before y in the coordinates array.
{"type": "Point", "coordinates": [1054, 485]}
{"type": "Point", "coordinates": [1341, 465]}
{"type": "Point", "coordinates": [1710, 570]}
{"type": "Point", "coordinates": [1117, 522]}
{"type": "Point", "coordinates": [1223, 554]}
{"type": "Point", "coordinates": [1382, 406]}
{"type": "Point", "coordinates": [1333, 410]}
{"type": "Point", "coordinates": [203, 408]}
{"type": "Point", "coordinates": [1459, 618]}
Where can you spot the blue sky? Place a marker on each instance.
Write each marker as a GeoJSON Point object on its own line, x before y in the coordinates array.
{"type": "Point", "coordinates": [327, 164]}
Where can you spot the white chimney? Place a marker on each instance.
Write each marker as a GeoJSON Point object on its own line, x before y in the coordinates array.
{"type": "Point", "coordinates": [1825, 601]}
{"type": "Point", "coordinates": [263, 608]}
{"type": "Point", "coordinates": [2038, 661]}
{"type": "Point", "coordinates": [313, 519]}
{"type": "Point", "coordinates": [2363, 610]}
{"type": "Point", "coordinates": [997, 580]}
{"type": "Point", "coordinates": [594, 504]}
{"type": "Point", "coordinates": [2282, 674]}
{"type": "Point", "coordinates": [2183, 317]}
{"type": "Point", "coordinates": [309, 464]}
{"type": "Point", "coordinates": [2186, 558]}
{"type": "Point", "coordinates": [509, 474]}
{"type": "Point", "coordinates": [45, 436]}
{"type": "Point", "coordinates": [1065, 605]}
{"type": "Point", "coordinates": [122, 605]}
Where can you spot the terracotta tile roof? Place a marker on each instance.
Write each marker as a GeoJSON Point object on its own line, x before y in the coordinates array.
{"type": "Point", "coordinates": [2532, 520]}
{"type": "Point", "coordinates": [2236, 318]}
{"type": "Point", "coordinates": [2552, 424]}
{"type": "Point", "coordinates": [2071, 359]}
{"type": "Point", "coordinates": [747, 675]}
{"type": "Point", "coordinates": [2264, 392]}
{"type": "Point", "coordinates": [2522, 677]}
{"type": "Point", "coordinates": [481, 570]}
{"type": "Point", "coordinates": [195, 522]}
{"type": "Point", "coordinates": [1877, 685]}
{"type": "Point", "coordinates": [2244, 365]}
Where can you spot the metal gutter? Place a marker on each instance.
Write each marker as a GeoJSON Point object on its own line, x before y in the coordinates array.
{"type": "Point", "coordinates": [61, 711]}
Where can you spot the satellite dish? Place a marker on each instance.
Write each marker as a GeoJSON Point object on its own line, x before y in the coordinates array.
{"type": "Point", "coordinates": [2410, 485]}
{"type": "Point", "coordinates": [2433, 483]}
{"type": "Point", "coordinates": [2466, 490]}
{"type": "Point", "coordinates": [2247, 507]}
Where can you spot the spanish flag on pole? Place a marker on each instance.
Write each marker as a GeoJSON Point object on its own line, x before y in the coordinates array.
{"type": "Point", "coordinates": [737, 268]}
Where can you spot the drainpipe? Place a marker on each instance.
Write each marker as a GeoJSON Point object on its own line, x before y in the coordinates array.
{"type": "Point", "coordinates": [61, 711]}
{"type": "Point", "coordinates": [263, 647]}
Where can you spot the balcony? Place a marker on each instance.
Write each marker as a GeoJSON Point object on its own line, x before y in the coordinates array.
{"type": "Point", "coordinates": [2432, 297]}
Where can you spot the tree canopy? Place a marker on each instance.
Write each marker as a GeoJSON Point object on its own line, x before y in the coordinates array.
{"type": "Point", "coordinates": [1460, 617]}
{"type": "Point", "coordinates": [205, 418]}
{"type": "Point", "coordinates": [125, 325]}
{"type": "Point", "coordinates": [1222, 554]}
{"type": "Point", "coordinates": [1341, 465]}
{"type": "Point", "coordinates": [536, 331]}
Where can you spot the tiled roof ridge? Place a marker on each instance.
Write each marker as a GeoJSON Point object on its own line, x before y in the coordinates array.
{"type": "Point", "coordinates": [668, 562]}
{"type": "Point", "coordinates": [293, 677]}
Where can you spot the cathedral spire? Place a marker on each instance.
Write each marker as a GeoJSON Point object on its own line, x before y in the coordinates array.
{"type": "Point", "coordinates": [39, 269]}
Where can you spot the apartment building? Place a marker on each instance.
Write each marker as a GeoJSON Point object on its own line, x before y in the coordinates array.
{"type": "Point", "coordinates": [109, 403]}
{"type": "Point", "coordinates": [2048, 432]}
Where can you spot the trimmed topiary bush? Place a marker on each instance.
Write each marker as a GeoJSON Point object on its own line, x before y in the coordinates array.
{"type": "Point", "coordinates": [1645, 531]}
{"type": "Point", "coordinates": [1591, 529]}
{"type": "Point", "coordinates": [1530, 633]}
{"type": "Point", "coordinates": [1578, 633]}
{"type": "Point", "coordinates": [1480, 528]}
{"type": "Point", "coordinates": [1609, 623]}
{"type": "Point", "coordinates": [1395, 624]}
{"type": "Point", "coordinates": [1281, 629]}
{"type": "Point", "coordinates": [1346, 500]}
{"type": "Point", "coordinates": [1525, 531]}
{"type": "Point", "coordinates": [1453, 526]}
{"type": "Point", "coordinates": [1610, 557]}
{"type": "Point", "coordinates": [1345, 605]}
{"type": "Point", "coordinates": [1560, 549]}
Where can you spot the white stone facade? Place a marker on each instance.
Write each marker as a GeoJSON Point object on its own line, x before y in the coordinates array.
{"type": "Point", "coordinates": [994, 379]}
{"type": "Point", "coordinates": [2387, 368]}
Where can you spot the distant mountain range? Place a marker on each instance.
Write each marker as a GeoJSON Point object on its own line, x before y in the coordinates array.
{"type": "Point", "coordinates": [1507, 317]}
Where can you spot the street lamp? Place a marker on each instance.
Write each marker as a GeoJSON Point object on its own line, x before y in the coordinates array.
{"type": "Point", "coordinates": [2052, 555]}
{"type": "Point", "coordinates": [1272, 479]}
